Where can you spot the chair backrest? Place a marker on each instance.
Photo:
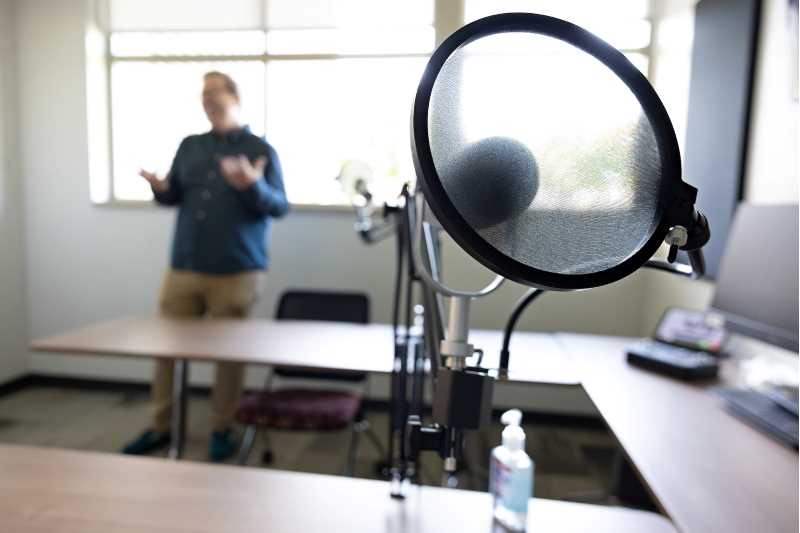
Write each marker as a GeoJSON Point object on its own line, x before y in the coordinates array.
{"type": "Point", "coordinates": [330, 306]}
{"type": "Point", "coordinates": [323, 305]}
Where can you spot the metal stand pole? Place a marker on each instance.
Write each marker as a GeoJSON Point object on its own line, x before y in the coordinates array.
{"type": "Point", "coordinates": [416, 340]}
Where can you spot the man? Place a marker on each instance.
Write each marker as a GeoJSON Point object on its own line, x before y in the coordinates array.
{"type": "Point", "coordinates": [227, 184]}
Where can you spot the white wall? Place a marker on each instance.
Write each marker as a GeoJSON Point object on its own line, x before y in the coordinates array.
{"type": "Point", "coordinates": [671, 72]}
{"type": "Point", "coordinates": [772, 164]}
{"type": "Point", "coordinates": [13, 335]}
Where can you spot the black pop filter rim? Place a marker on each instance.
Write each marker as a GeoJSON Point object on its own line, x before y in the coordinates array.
{"type": "Point", "coordinates": [461, 231]}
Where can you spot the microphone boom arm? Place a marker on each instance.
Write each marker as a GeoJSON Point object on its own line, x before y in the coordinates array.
{"type": "Point", "coordinates": [421, 236]}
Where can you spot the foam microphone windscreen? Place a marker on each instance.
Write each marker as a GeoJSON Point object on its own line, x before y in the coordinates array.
{"type": "Point", "coordinates": [491, 181]}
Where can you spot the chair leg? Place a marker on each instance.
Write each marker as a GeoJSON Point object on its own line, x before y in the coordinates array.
{"type": "Point", "coordinates": [352, 452]}
{"type": "Point", "coordinates": [247, 444]}
{"type": "Point", "coordinates": [366, 428]}
{"type": "Point", "coordinates": [267, 456]}
{"type": "Point", "coordinates": [363, 425]}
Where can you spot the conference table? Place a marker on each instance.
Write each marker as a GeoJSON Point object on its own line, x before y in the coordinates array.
{"type": "Point", "coordinates": [308, 345]}
{"type": "Point", "coordinates": [47, 490]}
{"type": "Point", "coordinates": [704, 469]}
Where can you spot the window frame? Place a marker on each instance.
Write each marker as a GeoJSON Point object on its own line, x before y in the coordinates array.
{"type": "Point", "coordinates": [448, 16]}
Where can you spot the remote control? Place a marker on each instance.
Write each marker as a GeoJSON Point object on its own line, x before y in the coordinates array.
{"type": "Point", "coordinates": [672, 360]}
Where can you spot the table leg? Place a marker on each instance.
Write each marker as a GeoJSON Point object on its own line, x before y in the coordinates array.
{"type": "Point", "coordinates": [180, 380]}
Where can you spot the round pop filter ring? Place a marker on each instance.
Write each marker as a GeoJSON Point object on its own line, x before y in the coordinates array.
{"type": "Point", "coordinates": [455, 224]}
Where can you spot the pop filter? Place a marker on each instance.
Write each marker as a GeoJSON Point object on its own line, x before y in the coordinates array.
{"type": "Point", "coordinates": [547, 155]}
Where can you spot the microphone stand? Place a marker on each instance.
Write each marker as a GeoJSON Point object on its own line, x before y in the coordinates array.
{"type": "Point", "coordinates": [462, 395]}
{"type": "Point", "coordinates": [414, 334]}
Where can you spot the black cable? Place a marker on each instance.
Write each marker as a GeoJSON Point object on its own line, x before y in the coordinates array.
{"type": "Point", "coordinates": [695, 269]}
{"type": "Point", "coordinates": [409, 241]}
{"type": "Point", "coordinates": [405, 231]}
{"type": "Point", "coordinates": [398, 280]}
{"type": "Point", "coordinates": [673, 268]}
{"type": "Point", "coordinates": [698, 262]}
{"type": "Point", "coordinates": [396, 415]}
{"type": "Point", "coordinates": [698, 268]}
{"type": "Point", "coordinates": [409, 295]}
{"type": "Point", "coordinates": [520, 306]}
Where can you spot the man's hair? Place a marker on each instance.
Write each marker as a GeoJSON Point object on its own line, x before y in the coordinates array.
{"type": "Point", "coordinates": [230, 85]}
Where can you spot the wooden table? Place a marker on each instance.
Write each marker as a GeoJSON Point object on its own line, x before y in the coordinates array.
{"type": "Point", "coordinates": [294, 343]}
{"type": "Point", "coordinates": [706, 469]}
{"type": "Point", "coordinates": [48, 490]}
{"type": "Point", "coordinates": [300, 344]}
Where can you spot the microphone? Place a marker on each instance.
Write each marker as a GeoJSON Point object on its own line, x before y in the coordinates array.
{"type": "Point", "coordinates": [491, 180]}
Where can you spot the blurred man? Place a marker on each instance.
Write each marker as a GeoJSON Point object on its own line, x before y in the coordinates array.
{"type": "Point", "coordinates": [227, 184]}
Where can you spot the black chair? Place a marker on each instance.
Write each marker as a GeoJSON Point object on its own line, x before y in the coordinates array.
{"type": "Point", "coordinates": [305, 408]}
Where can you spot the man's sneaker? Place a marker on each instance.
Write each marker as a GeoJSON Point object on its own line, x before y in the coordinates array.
{"type": "Point", "coordinates": [223, 445]}
{"type": "Point", "coordinates": [147, 442]}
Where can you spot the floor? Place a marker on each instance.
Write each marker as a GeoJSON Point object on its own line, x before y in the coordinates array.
{"type": "Point", "coordinates": [573, 461]}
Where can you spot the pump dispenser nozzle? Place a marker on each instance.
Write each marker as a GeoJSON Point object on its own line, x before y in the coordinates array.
{"type": "Point", "coordinates": [513, 435]}
{"type": "Point", "coordinates": [512, 417]}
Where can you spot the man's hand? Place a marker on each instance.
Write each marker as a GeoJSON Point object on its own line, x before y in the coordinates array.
{"type": "Point", "coordinates": [240, 173]}
{"type": "Point", "coordinates": [157, 184]}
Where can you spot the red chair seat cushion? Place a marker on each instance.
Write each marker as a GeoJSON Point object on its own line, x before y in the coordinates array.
{"type": "Point", "coordinates": [299, 409]}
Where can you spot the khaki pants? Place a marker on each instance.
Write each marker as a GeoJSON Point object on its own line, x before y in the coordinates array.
{"type": "Point", "coordinates": [188, 294]}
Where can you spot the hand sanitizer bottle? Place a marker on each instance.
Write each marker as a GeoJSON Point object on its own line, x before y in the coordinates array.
{"type": "Point", "coordinates": [511, 477]}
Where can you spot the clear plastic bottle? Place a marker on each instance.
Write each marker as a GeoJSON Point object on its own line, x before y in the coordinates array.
{"type": "Point", "coordinates": [511, 477]}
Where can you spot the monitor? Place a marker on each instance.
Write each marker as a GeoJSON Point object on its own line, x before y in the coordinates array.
{"type": "Point", "coordinates": [757, 286]}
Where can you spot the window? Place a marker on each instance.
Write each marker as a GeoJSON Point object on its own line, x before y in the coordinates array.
{"type": "Point", "coordinates": [576, 116]}
{"type": "Point", "coordinates": [326, 81]}
{"type": "Point", "coordinates": [625, 24]}
{"type": "Point", "coordinates": [155, 104]}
